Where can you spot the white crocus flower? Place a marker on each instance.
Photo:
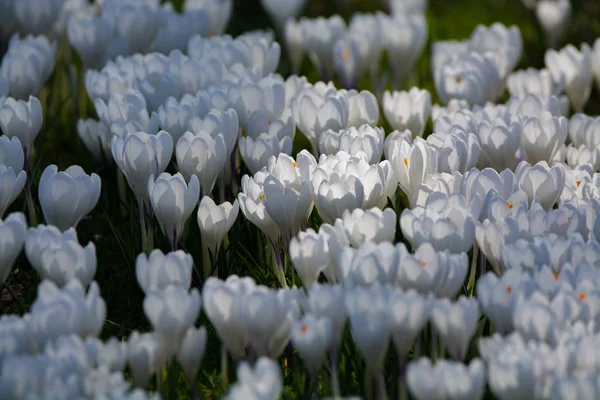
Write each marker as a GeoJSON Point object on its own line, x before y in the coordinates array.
{"type": "Point", "coordinates": [139, 156]}
{"type": "Point", "coordinates": [157, 270]}
{"type": "Point", "coordinates": [395, 136]}
{"type": "Point", "coordinates": [496, 297]}
{"type": "Point", "coordinates": [404, 37]}
{"type": "Point", "coordinates": [173, 200]}
{"type": "Point", "coordinates": [12, 183]}
{"type": "Point", "coordinates": [267, 316]}
{"type": "Point", "coordinates": [318, 37]}
{"type": "Point", "coordinates": [363, 108]}
{"type": "Point", "coordinates": [409, 312]}
{"type": "Point", "coordinates": [577, 156]}
{"type": "Point", "coordinates": [412, 163]}
{"type": "Point", "coordinates": [192, 351]}
{"type": "Point", "coordinates": [320, 108]}
{"type": "Point", "coordinates": [407, 110]}
{"type": "Point", "coordinates": [538, 82]}
{"type": "Point", "coordinates": [293, 43]}
{"type": "Point", "coordinates": [446, 379]}
{"type": "Point", "coordinates": [352, 140]}
{"type": "Point", "coordinates": [576, 66]}
{"type": "Point", "coordinates": [505, 43]}
{"type": "Point", "coordinates": [257, 152]}
{"type": "Point", "coordinates": [554, 16]}
{"type": "Point", "coordinates": [203, 156]}
{"type": "Point", "coordinates": [309, 255]}
{"type": "Point", "coordinates": [444, 222]}
{"type": "Point", "coordinates": [97, 139]}
{"type": "Point", "coordinates": [370, 263]}
{"type": "Point", "coordinates": [372, 225]}
{"type": "Point", "coordinates": [21, 119]}
{"type": "Point", "coordinates": [456, 323]}
{"type": "Point", "coordinates": [584, 130]}
{"type": "Point", "coordinates": [171, 312]}
{"type": "Point", "coordinates": [499, 141]}
{"type": "Point", "coordinates": [311, 336]}
{"type": "Point", "coordinates": [12, 237]}
{"type": "Point", "coordinates": [67, 197]}
{"type": "Point", "coordinates": [474, 78]}
{"type": "Point", "coordinates": [146, 353]}
{"type": "Point", "coordinates": [262, 381]}
{"type": "Point", "coordinates": [347, 60]}
{"type": "Point", "coordinates": [459, 150]}
{"type": "Point", "coordinates": [370, 324]}
{"type": "Point", "coordinates": [541, 181]}
{"type": "Point", "coordinates": [543, 136]}
{"type": "Point", "coordinates": [215, 220]}
{"type": "Point", "coordinates": [64, 260]}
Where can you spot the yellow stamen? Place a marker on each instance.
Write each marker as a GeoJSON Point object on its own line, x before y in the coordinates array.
{"type": "Point", "coordinates": [406, 161]}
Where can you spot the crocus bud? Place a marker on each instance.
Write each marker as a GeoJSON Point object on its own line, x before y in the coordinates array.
{"type": "Point", "coordinates": [456, 323]}
{"type": "Point", "coordinates": [308, 255]}
{"type": "Point", "coordinates": [173, 201]}
{"type": "Point", "coordinates": [67, 197]}
{"type": "Point", "coordinates": [171, 312]}
{"type": "Point", "coordinates": [311, 336]}
{"type": "Point", "coordinates": [12, 238]}
{"type": "Point", "coordinates": [140, 156]}
{"type": "Point", "coordinates": [12, 183]}
{"type": "Point", "coordinates": [191, 352]}
{"type": "Point", "coordinates": [22, 120]}
{"type": "Point", "coordinates": [145, 355]}
{"type": "Point", "coordinates": [408, 110]}
{"type": "Point", "coordinates": [215, 220]}
{"type": "Point", "coordinates": [157, 270]}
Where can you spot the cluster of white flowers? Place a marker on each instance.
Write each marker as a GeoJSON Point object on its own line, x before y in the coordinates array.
{"type": "Point", "coordinates": [413, 238]}
{"type": "Point", "coordinates": [357, 48]}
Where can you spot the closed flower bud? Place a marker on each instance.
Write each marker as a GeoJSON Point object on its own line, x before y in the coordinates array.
{"type": "Point", "coordinates": [173, 200]}
{"type": "Point", "coordinates": [67, 197]}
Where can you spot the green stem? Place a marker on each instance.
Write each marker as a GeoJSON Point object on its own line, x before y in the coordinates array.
{"type": "Point", "coordinates": [206, 264]}
{"type": "Point", "coordinates": [28, 196]}
{"type": "Point", "coordinates": [122, 190]}
{"type": "Point", "coordinates": [381, 390]}
{"type": "Point", "coordinates": [368, 385]}
{"type": "Point", "coordinates": [224, 374]}
{"type": "Point", "coordinates": [143, 232]}
{"type": "Point", "coordinates": [472, 275]}
{"type": "Point", "coordinates": [335, 379]}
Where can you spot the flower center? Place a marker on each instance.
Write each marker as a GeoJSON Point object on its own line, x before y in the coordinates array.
{"type": "Point", "coordinates": [423, 263]}
{"type": "Point", "coordinates": [582, 296]}
{"type": "Point", "coordinates": [556, 276]}
{"type": "Point", "coordinates": [508, 289]}
{"type": "Point", "coordinates": [509, 205]}
{"type": "Point", "coordinates": [458, 79]}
